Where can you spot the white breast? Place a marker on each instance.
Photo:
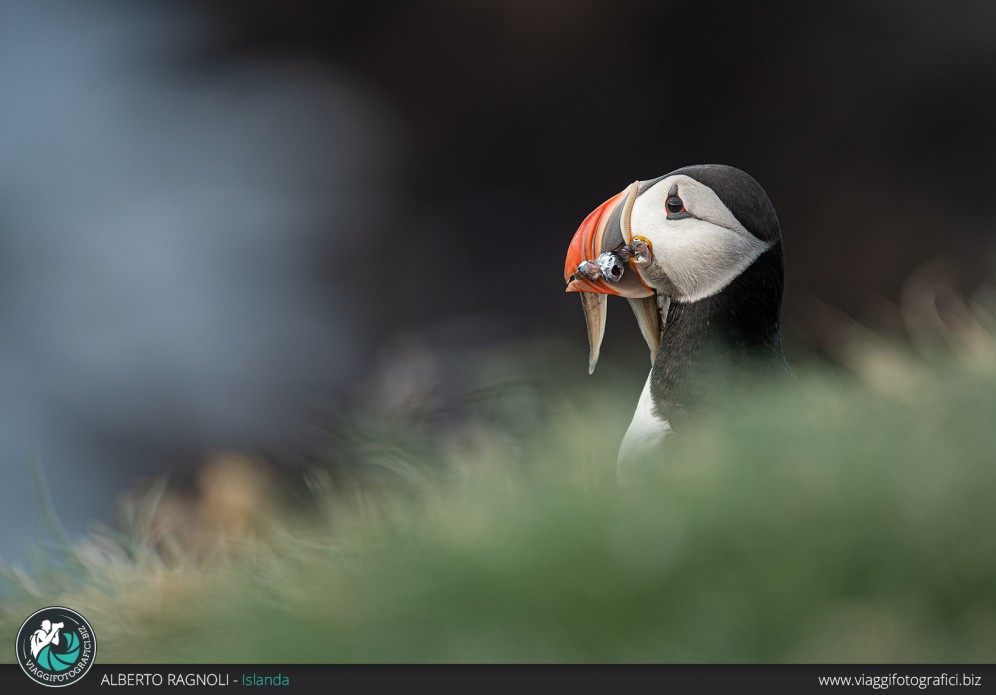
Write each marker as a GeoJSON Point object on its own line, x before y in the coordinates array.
{"type": "Point", "coordinates": [640, 446]}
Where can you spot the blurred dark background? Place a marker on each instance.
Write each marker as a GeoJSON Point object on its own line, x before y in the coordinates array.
{"type": "Point", "coordinates": [219, 218]}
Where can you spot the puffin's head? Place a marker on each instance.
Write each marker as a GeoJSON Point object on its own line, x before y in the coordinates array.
{"type": "Point", "coordinates": [702, 226]}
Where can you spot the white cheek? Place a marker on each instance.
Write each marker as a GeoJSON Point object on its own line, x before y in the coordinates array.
{"type": "Point", "coordinates": [702, 258]}
{"type": "Point", "coordinates": [700, 255]}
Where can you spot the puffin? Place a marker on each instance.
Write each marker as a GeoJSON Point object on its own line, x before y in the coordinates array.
{"type": "Point", "coordinates": [698, 254]}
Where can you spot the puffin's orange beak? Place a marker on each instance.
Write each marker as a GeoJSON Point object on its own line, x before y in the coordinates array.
{"type": "Point", "coordinates": [587, 245]}
{"type": "Point", "coordinates": [607, 229]}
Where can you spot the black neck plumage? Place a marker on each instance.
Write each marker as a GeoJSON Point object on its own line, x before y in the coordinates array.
{"type": "Point", "coordinates": [709, 344]}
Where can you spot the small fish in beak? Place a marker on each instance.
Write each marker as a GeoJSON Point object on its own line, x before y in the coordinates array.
{"type": "Point", "coordinates": [602, 250]}
{"type": "Point", "coordinates": [640, 251]}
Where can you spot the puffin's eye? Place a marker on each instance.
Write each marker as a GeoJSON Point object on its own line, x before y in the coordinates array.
{"type": "Point", "coordinates": [674, 205]}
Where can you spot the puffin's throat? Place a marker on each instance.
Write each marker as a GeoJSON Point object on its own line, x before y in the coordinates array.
{"type": "Point", "coordinates": [706, 342]}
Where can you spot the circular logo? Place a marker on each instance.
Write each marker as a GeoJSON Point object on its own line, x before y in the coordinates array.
{"type": "Point", "coordinates": [55, 646]}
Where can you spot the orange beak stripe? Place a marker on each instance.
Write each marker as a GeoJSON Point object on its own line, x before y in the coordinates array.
{"type": "Point", "coordinates": [585, 246]}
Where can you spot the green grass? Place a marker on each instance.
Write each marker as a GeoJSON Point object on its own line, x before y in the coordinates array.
{"type": "Point", "coordinates": [850, 520]}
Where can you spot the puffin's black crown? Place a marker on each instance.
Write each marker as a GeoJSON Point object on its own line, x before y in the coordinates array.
{"type": "Point", "coordinates": [740, 193]}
